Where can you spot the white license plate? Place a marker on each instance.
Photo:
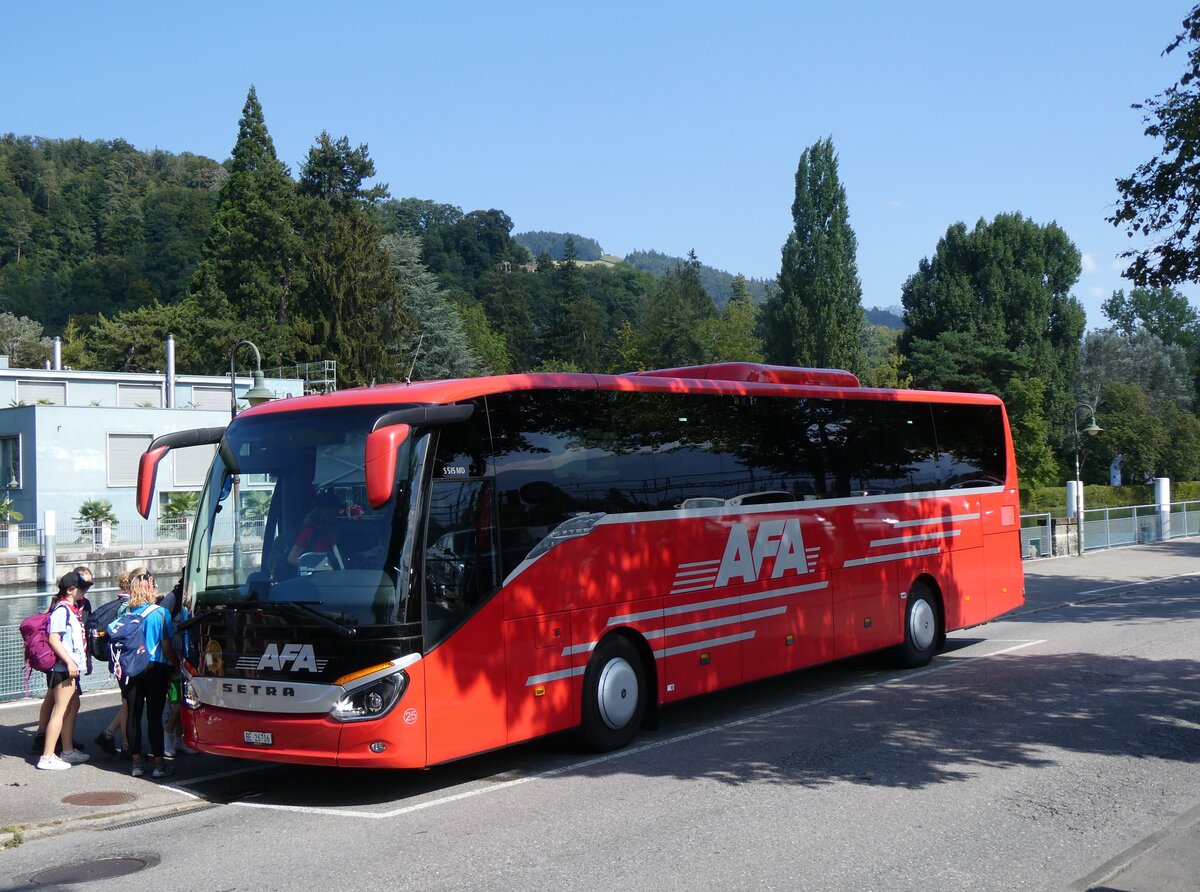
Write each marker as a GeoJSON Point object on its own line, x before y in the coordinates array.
{"type": "Point", "coordinates": [258, 738]}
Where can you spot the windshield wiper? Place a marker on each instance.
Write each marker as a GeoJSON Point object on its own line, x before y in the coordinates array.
{"type": "Point", "coordinates": [266, 607]}
{"type": "Point", "coordinates": [303, 607]}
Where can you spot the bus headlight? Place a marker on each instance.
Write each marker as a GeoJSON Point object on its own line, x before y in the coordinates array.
{"type": "Point", "coordinates": [370, 701]}
{"type": "Point", "coordinates": [190, 695]}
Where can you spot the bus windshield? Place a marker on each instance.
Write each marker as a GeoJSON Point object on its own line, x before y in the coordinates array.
{"type": "Point", "coordinates": [284, 519]}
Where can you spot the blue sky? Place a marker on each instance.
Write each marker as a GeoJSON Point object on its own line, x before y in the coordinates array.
{"type": "Point", "coordinates": [665, 126]}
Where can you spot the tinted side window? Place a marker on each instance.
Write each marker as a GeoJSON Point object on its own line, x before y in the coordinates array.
{"type": "Point", "coordinates": [873, 447]}
{"type": "Point", "coordinates": [775, 451]}
{"type": "Point", "coordinates": [463, 449]}
{"type": "Point", "coordinates": [555, 459]}
{"type": "Point", "coordinates": [909, 460]}
{"type": "Point", "coordinates": [971, 442]}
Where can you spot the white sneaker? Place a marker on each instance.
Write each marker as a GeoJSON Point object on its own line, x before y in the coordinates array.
{"type": "Point", "coordinates": [169, 745]}
{"type": "Point", "coordinates": [52, 763]}
{"type": "Point", "coordinates": [181, 747]}
{"type": "Point", "coordinates": [74, 757]}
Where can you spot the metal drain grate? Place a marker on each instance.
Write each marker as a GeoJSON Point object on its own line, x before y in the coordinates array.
{"type": "Point", "coordinates": [174, 814]}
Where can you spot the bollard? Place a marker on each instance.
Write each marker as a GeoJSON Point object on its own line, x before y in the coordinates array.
{"type": "Point", "coordinates": [50, 531]}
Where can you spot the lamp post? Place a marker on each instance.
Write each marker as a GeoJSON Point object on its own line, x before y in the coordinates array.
{"type": "Point", "coordinates": [1091, 430]}
{"type": "Point", "coordinates": [258, 392]}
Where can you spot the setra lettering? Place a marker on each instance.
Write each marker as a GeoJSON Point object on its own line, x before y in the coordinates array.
{"type": "Point", "coordinates": [257, 690]}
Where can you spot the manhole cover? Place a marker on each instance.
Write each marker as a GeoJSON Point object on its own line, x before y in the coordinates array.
{"type": "Point", "coordinates": [103, 869]}
{"type": "Point", "coordinates": [102, 797]}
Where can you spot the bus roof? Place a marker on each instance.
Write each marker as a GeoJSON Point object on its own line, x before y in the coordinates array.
{"type": "Point", "coordinates": [742, 378]}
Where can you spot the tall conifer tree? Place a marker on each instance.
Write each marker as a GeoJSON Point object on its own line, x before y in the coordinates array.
{"type": "Point", "coordinates": [253, 249]}
{"type": "Point", "coordinates": [816, 318]}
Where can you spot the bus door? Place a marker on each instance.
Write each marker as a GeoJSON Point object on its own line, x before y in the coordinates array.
{"type": "Point", "coordinates": [464, 643]}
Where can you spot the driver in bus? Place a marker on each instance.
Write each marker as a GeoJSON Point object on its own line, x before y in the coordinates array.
{"type": "Point", "coordinates": [319, 533]}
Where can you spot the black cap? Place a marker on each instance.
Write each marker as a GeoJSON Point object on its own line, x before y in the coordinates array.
{"type": "Point", "coordinates": [69, 580]}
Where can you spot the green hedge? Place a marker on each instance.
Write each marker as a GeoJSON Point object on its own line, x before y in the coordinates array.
{"type": "Point", "coordinates": [1053, 499]}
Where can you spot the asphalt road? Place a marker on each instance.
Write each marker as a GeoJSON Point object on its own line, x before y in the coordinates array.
{"type": "Point", "coordinates": [1029, 755]}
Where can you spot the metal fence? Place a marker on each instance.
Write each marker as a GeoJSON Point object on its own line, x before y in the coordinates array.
{"type": "Point", "coordinates": [12, 648]}
{"type": "Point", "coordinates": [14, 607]}
{"type": "Point", "coordinates": [71, 534]}
{"type": "Point", "coordinates": [1139, 524]}
{"type": "Point", "coordinates": [1037, 531]}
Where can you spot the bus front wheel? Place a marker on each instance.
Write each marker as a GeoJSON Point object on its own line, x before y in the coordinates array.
{"type": "Point", "coordinates": [922, 627]}
{"type": "Point", "coordinates": [614, 698]}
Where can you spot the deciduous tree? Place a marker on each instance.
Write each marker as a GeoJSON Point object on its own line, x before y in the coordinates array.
{"type": "Point", "coordinates": [994, 304]}
{"type": "Point", "coordinates": [1161, 199]}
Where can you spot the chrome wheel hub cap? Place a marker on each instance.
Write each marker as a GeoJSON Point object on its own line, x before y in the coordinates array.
{"type": "Point", "coordinates": [922, 624]}
{"type": "Point", "coordinates": [617, 693]}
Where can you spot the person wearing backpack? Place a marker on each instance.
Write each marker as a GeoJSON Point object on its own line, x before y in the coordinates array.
{"type": "Point", "coordinates": [62, 682]}
{"type": "Point", "coordinates": [145, 691]}
{"type": "Point", "coordinates": [85, 608]}
{"type": "Point", "coordinates": [106, 739]}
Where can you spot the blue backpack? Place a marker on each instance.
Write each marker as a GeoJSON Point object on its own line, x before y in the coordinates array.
{"type": "Point", "coordinates": [127, 643]}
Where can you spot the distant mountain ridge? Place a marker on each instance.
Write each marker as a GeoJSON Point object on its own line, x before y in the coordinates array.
{"type": "Point", "coordinates": [889, 317]}
{"type": "Point", "coordinates": [718, 283]}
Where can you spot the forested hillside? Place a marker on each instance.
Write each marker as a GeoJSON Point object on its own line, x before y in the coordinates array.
{"type": "Point", "coordinates": [90, 227]}
{"type": "Point", "coordinates": [718, 283]}
{"type": "Point", "coordinates": [555, 245]}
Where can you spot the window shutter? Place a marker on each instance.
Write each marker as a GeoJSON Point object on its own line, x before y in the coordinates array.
{"type": "Point", "coordinates": [210, 398]}
{"type": "Point", "coordinates": [124, 453]}
{"type": "Point", "coordinates": [132, 395]}
{"type": "Point", "coordinates": [32, 392]}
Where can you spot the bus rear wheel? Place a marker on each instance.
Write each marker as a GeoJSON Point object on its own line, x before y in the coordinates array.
{"type": "Point", "coordinates": [614, 698]}
{"type": "Point", "coordinates": [922, 627]}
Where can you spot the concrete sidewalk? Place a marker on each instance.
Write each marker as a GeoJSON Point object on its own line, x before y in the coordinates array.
{"type": "Point", "coordinates": [101, 793]}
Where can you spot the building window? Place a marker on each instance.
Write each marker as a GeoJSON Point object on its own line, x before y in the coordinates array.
{"type": "Point", "coordinates": [33, 393]}
{"type": "Point", "coordinates": [216, 398]}
{"type": "Point", "coordinates": [124, 453]}
{"type": "Point", "coordinates": [132, 396]}
{"type": "Point", "coordinates": [10, 462]}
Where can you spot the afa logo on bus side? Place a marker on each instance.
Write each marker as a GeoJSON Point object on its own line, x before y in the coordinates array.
{"type": "Point", "coordinates": [778, 539]}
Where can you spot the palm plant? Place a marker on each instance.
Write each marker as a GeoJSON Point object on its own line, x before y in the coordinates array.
{"type": "Point", "coordinates": [93, 514]}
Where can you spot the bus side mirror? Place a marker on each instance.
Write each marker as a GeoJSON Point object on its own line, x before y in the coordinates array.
{"type": "Point", "coordinates": [380, 465]}
{"type": "Point", "coordinates": [159, 447]}
{"type": "Point", "coordinates": [147, 473]}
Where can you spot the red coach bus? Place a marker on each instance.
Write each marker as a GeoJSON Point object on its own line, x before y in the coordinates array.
{"type": "Point", "coordinates": [402, 575]}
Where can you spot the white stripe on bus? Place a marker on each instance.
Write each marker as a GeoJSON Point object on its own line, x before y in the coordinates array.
{"type": "Point", "coordinates": [888, 558]}
{"type": "Point", "coordinates": [700, 645]}
{"type": "Point", "coordinates": [928, 520]}
{"type": "Point", "coordinates": [720, 602]}
{"type": "Point", "coordinates": [915, 537]}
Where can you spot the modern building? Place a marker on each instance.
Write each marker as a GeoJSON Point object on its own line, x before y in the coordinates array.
{"type": "Point", "coordinates": [68, 436]}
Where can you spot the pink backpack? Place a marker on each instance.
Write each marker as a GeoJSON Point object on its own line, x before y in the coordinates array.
{"type": "Point", "coordinates": [35, 631]}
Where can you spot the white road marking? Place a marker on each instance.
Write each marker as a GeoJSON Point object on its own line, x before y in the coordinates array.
{"type": "Point", "coordinates": [1110, 588]}
{"type": "Point", "coordinates": [946, 663]}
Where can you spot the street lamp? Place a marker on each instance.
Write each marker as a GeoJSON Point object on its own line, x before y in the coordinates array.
{"type": "Point", "coordinates": [258, 392]}
{"type": "Point", "coordinates": [1091, 430]}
